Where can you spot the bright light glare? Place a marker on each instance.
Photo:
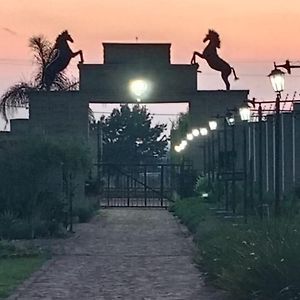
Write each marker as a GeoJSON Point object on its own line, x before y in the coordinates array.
{"type": "Point", "coordinates": [138, 87]}
{"type": "Point", "coordinates": [195, 132]}
{"type": "Point", "coordinates": [190, 136]}
{"type": "Point", "coordinates": [213, 125]}
{"type": "Point", "coordinates": [203, 131]}
{"type": "Point", "coordinates": [177, 148]}
{"type": "Point", "coordinates": [245, 113]}
{"type": "Point", "coordinates": [183, 143]}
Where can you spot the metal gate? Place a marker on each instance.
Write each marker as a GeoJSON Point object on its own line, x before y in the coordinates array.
{"type": "Point", "coordinates": [143, 185]}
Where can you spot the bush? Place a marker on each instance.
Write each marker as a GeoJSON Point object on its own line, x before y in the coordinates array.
{"type": "Point", "coordinates": [258, 260]}
{"type": "Point", "coordinates": [10, 250]}
{"type": "Point", "coordinates": [83, 213]}
{"type": "Point", "coordinates": [32, 174]}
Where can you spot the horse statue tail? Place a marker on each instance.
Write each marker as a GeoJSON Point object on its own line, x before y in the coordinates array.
{"type": "Point", "coordinates": [233, 71]}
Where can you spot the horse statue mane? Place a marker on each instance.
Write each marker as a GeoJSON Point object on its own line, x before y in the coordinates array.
{"type": "Point", "coordinates": [60, 58]}
{"type": "Point", "coordinates": [211, 56]}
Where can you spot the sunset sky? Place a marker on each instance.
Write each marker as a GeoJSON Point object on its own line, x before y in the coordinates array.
{"type": "Point", "coordinates": [253, 34]}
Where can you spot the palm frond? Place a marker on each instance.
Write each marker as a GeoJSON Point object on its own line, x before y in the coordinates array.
{"type": "Point", "coordinates": [16, 96]}
{"type": "Point", "coordinates": [42, 50]}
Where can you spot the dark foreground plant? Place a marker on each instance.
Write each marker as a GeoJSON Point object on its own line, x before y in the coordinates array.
{"type": "Point", "coordinates": [32, 202]}
{"type": "Point", "coordinates": [258, 260]}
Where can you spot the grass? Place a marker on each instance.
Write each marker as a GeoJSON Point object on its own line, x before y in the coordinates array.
{"type": "Point", "coordinates": [17, 262]}
{"type": "Point", "coordinates": [258, 260]}
{"type": "Point", "coordinates": [15, 270]}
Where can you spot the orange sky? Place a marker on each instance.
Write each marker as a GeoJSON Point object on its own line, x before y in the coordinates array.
{"type": "Point", "coordinates": [253, 33]}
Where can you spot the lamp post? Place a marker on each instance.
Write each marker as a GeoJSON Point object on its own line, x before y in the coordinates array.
{"type": "Point", "coordinates": [213, 127]}
{"type": "Point", "coordinates": [225, 164]}
{"type": "Point", "coordinates": [231, 122]}
{"type": "Point", "coordinates": [277, 80]}
{"type": "Point", "coordinates": [203, 133]}
{"type": "Point", "coordinates": [245, 114]}
{"type": "Point", "coordinates": [260, 161]}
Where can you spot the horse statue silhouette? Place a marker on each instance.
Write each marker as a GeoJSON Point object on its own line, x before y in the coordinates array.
{"type": "Point", "coordinates": [62, 54]}
{"type": "Point", "coordinates": [211, 56]}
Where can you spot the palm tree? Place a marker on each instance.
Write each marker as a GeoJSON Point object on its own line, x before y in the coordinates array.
{"type": "Point", "coordinates": [17, 95]}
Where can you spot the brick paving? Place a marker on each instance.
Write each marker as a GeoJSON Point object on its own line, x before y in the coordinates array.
{"type": "Point", "coordinates": [123, 253]}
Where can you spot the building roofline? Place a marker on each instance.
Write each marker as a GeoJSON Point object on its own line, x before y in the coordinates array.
{"type": "Point", "coordinates": [135, 44]}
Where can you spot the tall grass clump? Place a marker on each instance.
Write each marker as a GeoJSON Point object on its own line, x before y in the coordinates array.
{"type": "Point", "coordinates": [258, 260]}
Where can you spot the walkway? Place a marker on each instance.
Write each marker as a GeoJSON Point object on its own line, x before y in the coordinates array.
{"type": "Point", "coordinates": [122, 254]}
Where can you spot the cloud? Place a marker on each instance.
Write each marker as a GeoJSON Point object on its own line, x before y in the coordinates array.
{"type": "Point", "coordinates": [9, 31]}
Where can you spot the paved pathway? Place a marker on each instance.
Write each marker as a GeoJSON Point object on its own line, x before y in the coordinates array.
{"type": "Point", "coordinates": [122, 254]}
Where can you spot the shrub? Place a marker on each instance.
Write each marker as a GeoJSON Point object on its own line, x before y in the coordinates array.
{"type": "Point", "coordinates": [258, 260]}
{"type": "Point", "coordinates": [31, 170]}
{"type": "Point", "coordinates": [84, 213]}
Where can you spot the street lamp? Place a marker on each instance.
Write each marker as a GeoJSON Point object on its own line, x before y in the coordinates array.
{"type": "Point", "coordinates": [177, 148]}
{"type": "Point", "coordinates": [139, 88]}
{"type": "Point", "coordinates": [213, 127]}
{"type": "Point", "coordinates": [183, 144]}
{"type": "Point", "coordinates": [245, 114]}
{"type": "Point", "coordinates": [189, 136]}
{"type": "Point", "coordinates": [195, 132]}
{"type": "Point", "coordinates": [277, 80]}
{"type": "Point", "coordinates": [203, 131]}
{"type": "Point", "coordinates": [231, 122]}
{"type": "Point", "coordinates": [230, 119]}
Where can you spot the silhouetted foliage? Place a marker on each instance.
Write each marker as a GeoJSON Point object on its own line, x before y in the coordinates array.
{"type": "Point", "coordinates": [130, 138]}
{"type": "Point", "coordinates": [31, 198]}
{"type": "Point", "coordinates": [17, 95]}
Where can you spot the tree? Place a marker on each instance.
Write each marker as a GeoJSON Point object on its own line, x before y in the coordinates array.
{"type": "Point", "coordinates": [129, 137]}
{"type": "Point", "coordinates": [17, 95]}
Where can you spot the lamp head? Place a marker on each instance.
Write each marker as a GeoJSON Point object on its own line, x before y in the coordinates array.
{"type": "Point", "coordinates": [230, 119]}
{"type": "Point", "coordinates": [213, 125]}
{"type": "Point", "coordinates": [245, 113]}
{"type": "Point", "coordinates": [277, 80]}
{"type": "Point", "coordinates": [139, 88]}
{"type": "Point", "coordinates": [203, 131]}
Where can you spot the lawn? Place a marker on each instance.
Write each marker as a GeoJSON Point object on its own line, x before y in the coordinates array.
{"type": "Point", "coordinates": [14, 271]}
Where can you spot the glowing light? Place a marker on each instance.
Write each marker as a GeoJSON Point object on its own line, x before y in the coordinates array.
{"type": "Point", "coordinates": [177, 148]}
{"type": "Point", "coordinates": [139, 88]}
{"type": "Point", "coordinates": [203, 131]}
{"type": "Point", "coordinates": [190, 136]}
{"type": "Point", "coordinates": [277, 80]}
{"type": "Point", "coordinates": [195, 132]}
{"type": "Point", "coordinates": [245, 113]}
{"type": "Point", "coordinates": [213, 125]}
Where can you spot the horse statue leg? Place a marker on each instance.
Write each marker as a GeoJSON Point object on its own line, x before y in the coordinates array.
{"type": "Point", "coordinates": [233, 71]}
{"type": "Point", "coordinates": [80, 54]}
{"type": "Point", "coordinates": [193, 60]}
{"type": "Point", "coordinates": [225, 76]}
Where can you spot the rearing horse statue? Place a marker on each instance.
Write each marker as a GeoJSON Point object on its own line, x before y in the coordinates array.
{"type": "Point", "coordinates": [211, 56]}
{"type": "Point", "coordinates": [61, 58]}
